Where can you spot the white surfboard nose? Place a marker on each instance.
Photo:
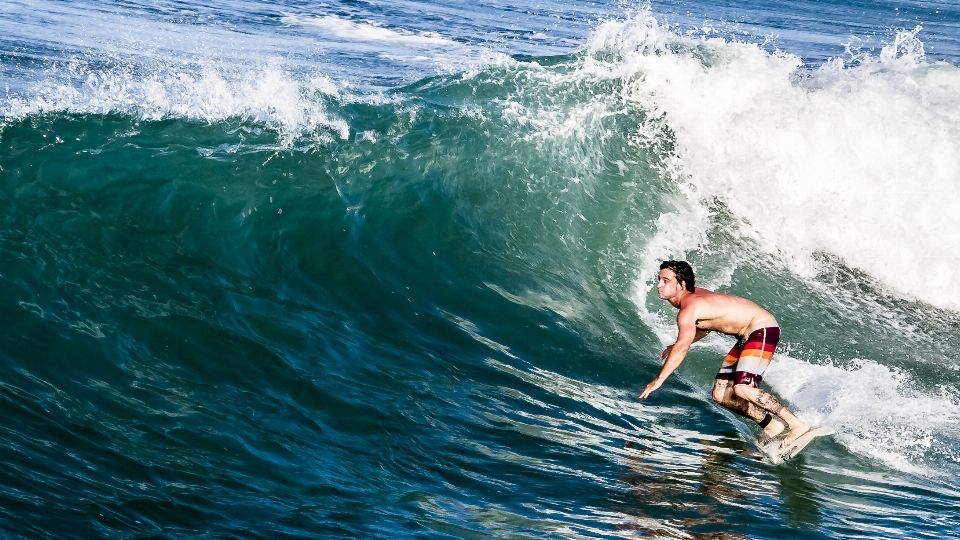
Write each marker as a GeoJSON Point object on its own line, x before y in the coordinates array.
{"type": "Point", "coordinates": [778, 455]}
{"type": "Point", "coordinates": [802, 442]}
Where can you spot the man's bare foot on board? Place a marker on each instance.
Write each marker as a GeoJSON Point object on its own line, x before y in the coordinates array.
{"type": "Point", "coordinates": [795, 433]}
{"type": "Point", "coordinates": [773, 429]}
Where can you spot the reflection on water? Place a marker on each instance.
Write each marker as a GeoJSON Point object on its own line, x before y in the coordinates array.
{"type": "Point", "coordinates": [799, 495]}
{"type": "Point", "coordinates": [705, 498]}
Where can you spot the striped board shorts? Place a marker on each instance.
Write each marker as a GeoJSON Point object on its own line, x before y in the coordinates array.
{"type": "Point", "coordinates": [749, 358]}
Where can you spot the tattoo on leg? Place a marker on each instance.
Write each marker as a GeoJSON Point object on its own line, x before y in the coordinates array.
{"type": "Point", "coordinates": [739, 405]}
{"type": "Point", "coordinates": [751, 411]}
{"type": "Point", "coordinates": [768, 402]}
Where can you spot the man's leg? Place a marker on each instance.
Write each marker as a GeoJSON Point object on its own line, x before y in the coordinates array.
{"type": "Point", "coordinates": [762, 398]}
{"type": "Point", "coordinates": [724, 394]}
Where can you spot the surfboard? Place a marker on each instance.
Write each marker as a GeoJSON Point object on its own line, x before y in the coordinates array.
{"type": "Point", "coordinates": [778, 455]}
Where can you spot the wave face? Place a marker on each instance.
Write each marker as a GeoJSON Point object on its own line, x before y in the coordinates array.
{"type": "Point", "coordinates": [357, 273]}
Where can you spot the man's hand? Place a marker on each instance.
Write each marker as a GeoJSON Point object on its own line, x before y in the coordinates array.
{"type": "Point", "coordinates": [656, 382]}
{"type": "Point", "coordinates": [650, 388]}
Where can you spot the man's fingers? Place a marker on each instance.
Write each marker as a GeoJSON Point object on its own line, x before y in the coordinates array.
{"type": "Point", "coordinates": [649, 390]}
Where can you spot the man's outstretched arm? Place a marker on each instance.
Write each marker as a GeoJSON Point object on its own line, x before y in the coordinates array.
{"type": "Point", "coordinates": [687, 333]}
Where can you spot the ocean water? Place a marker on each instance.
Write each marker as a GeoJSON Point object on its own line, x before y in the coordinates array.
{"type": "Point", "coordinates": [386, 269]}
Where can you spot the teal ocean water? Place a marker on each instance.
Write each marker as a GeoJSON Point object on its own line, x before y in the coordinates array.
{"type": "Point", "coordinates": [386, 270]}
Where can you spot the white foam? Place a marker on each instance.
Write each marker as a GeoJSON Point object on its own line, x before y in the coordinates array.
{"type": "Point", "coordinates": [859, 158]}
{"type": "Point", "coordinates": [368, 31]}
{"type": "Point", "coordinates": [158, 69]}
{"type": "Point", "coordinates": [211, 92]}
{"type": "Point", "coordinates": [425, 49]}
{"type": "Point", "coordinates": [677, 233]}
{"type": "Point", "coordinates": [875, 411]}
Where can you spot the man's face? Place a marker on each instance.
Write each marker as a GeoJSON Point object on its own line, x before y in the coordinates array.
{"type": "Point", "coordinates": [667, 284]}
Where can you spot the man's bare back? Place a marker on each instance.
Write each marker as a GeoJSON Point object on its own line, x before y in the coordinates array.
{"type": "Point", "coordinates": [724, 313]}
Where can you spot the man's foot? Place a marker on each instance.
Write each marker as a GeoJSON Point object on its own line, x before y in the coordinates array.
{"type": "Point", "coordinates": [774, 428]}
{"type": "Point", "coordinates": [805, 439]}
{"type": "Point", "coordinates": [795, 433]}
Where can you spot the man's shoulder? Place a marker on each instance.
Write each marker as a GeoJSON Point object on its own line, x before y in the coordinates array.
{"type": "Point", "coordinates": [700, 302]}
{"type": "Point", "coordinates": [706, 295]}
{"type": "Point", "coordinates": [698, 296]}
{"type": "Point", "coordinates": [692, 302]}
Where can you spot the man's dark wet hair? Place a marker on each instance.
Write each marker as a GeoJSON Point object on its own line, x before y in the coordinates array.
{"type": "Point", "coordinates": [682, 270]}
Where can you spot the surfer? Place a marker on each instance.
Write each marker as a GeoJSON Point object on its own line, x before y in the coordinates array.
{"type": "Point", "coordinates": [737, 385]}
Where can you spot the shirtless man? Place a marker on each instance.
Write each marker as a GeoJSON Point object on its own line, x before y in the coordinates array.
{"type": "Point", "coordinates": [737, 386]}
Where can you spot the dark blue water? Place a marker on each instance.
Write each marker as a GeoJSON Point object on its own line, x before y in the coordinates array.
{"type": "Point", "coordinates": [353, 270]}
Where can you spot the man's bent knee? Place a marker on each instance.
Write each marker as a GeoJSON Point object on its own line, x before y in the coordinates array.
{"type": "Point", "coordinates": [743, 390]}
{"type": "Point", "coordinates": [721, 391]}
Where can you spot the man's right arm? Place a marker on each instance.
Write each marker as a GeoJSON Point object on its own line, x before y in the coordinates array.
{"type": "Point", "coordinates": [687, 333]}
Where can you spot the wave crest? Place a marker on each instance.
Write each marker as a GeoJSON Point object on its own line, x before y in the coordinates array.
{"type": "Point", "coordinates": [857, 158]}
